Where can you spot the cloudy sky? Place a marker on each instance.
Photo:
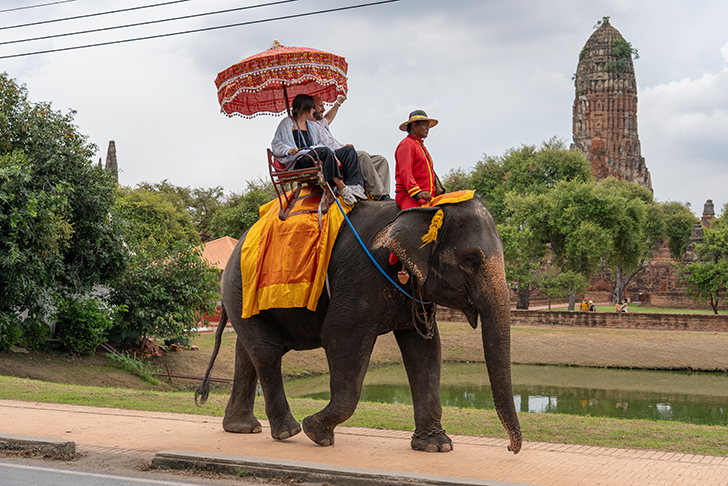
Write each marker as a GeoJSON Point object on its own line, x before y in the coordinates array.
{"type": "Point", "coordinates": [497, 74]}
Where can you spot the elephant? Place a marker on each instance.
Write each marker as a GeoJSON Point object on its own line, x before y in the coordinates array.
{"type": "Point", "coordinates": [463, 268]}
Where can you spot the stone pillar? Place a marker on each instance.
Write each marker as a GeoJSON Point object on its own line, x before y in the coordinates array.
{"type": "Point", "coordinates": [111, 164]}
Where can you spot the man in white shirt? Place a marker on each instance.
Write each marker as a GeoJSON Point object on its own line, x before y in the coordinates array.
{"type": "Point", "coordinates": [374, 168]}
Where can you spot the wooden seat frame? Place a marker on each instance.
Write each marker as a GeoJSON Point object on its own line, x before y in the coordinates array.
{"type": "Point", "coordinates": [288, 183]}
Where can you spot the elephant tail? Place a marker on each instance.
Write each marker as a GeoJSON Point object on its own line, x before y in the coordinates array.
{"type": "Point", "coordinates": [204, 389]}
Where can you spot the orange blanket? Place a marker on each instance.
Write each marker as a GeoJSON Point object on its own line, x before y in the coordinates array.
{"type": "Point", "coordinates": [284, 263]}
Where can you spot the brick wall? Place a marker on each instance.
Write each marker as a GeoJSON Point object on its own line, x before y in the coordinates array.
{"type": "Point", "coordinates": [640, 320]}
{"type": "Point", "coordinates": [677, 300]}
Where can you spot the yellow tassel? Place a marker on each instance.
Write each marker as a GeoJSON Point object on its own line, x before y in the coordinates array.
{"type": "Point", "coordinates": [435, 225]}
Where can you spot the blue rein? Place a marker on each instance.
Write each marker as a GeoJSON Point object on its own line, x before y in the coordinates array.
{"type": "Point", "coordinates": [366, 250]}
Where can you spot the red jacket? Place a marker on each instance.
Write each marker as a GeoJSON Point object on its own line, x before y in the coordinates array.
{"type": "Point", "coordinates": [414, 173]}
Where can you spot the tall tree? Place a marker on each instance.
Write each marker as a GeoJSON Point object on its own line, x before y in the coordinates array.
{"type": "Point", "coordinates": [241, 211]}
{"type": "Point", "coordinates": [679, 222]}
{"type": "Point", "coordinates": [52, 162]}
{"type": "Point", "coordinates": [707, 279]}
{"type": "Point", "coordinates": [502, 182]}
{"type": "Point", "coordinates": [146, 214]}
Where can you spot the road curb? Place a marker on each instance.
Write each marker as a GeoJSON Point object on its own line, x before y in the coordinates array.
{"type": "Point", "coordinates": [306, 471]}
{"type": "Point", "coordinates": [46, 445]}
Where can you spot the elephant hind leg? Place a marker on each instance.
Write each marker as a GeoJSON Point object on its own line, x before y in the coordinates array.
{"type": "Point", "coordinates": [239, 416]}
{"type": "Point", "coordinates": [282, 423]}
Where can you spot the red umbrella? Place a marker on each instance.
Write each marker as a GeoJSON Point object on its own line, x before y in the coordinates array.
{"type": "Point", "coordinates": [262, 83]}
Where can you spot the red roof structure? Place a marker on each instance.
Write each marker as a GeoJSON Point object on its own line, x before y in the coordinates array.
{"type": "Point", "coordinates": [218, 251]}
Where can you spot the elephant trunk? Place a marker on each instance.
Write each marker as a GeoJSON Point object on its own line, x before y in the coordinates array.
{"type": "Point", "coordinates": [495, 319]}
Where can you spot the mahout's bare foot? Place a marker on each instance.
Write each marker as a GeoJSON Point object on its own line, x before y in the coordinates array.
{"type": "Point", "coordinates": [403, 276]}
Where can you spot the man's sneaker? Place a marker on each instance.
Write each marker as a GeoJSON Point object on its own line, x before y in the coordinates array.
{"type": "Point", "coordinates": [348, 195]}
{"type": "Point", "coordinates": [383, 197]}
{"type": "Point", "coordinates": [359, 192]}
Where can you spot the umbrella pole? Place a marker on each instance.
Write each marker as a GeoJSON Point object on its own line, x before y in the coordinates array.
{"type": "Point", "coordinates": [285, 95]}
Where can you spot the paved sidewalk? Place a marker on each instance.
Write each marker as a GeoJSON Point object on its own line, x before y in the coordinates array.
{"type": "Point", "coordinates": [474, 460]}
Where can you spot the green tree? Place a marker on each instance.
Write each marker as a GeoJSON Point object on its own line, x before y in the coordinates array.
{"type": "Point", "coordinates": [200, 203]}
{"type": "Point", "coordinates": [241, 211]}
{"type": "Point", "coordinates": [505, 183]}
{"type": "Point", "coordinates": [679, 222]}
{"type": "Point", "coordinates": [165, 291]}
{"type": "Point", "coordinates": [635, 228]}
{"type": "Point", "coordinates": [59, 193]}
{"type": "Point", "coordinates": [146, 214]}
{"type": "Point", "coordinates": [707, 279]}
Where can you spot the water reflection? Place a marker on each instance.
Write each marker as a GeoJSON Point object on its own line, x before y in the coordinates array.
{"type": "Point", "coordinates": [646, 395]}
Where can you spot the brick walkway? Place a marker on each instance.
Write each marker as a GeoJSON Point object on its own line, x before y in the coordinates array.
{"type": "Point", "coordinates": [473, 457]}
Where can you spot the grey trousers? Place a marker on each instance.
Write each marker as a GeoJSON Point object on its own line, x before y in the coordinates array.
{"type": "Point", "coordinates": [375, 170]}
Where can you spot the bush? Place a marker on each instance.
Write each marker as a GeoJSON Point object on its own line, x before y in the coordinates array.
{"type": "Point", "coordinates": [9, 331]}
{"type": "Point", "coordinates": [166, 289]}
{"type": "Point", "coordinates": [34, 333]}
{"type": "Point", "coordinates": [82, 324]}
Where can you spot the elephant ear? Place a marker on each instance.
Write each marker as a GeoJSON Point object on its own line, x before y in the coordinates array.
{"type": "Point", "coordinates": [412, 236]}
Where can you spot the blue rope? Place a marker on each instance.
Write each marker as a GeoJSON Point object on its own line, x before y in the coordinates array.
{"type": "Point", "coordinates": [372, 258]}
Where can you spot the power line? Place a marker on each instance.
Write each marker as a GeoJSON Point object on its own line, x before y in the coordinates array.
{"type": "Point", "coordinates": [115, 27]}
{"type": "Point", "coordinates": [97, 14]}
{"type": "Point", "coordinates": [35, 6]}
{"type": "Point", "coordinates": [205, 29]}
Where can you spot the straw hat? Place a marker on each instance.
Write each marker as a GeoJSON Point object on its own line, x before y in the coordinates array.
{"type": "Point", "coordinates": [417, 115]}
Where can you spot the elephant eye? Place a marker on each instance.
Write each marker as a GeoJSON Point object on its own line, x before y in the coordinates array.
{"type": "Point", "coordinates": [473, 260]}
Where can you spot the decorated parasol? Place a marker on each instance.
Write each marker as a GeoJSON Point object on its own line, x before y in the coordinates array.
{"type": "Point", "coordinates": [262, 83]}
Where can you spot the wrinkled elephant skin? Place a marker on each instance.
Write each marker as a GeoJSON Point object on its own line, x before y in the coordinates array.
{"type": "Point", "coordinates": [462, 269]}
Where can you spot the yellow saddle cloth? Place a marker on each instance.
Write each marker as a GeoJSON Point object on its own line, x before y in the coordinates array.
{"type": "Point", "coordinates": [284, 263]}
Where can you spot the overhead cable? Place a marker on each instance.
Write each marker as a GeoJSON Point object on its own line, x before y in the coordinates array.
{"type": "Point", "coordinates": [97, 14]}
{"type": "Point", "coordinates": [115, 27]}
{"type": "Point", "coordinates": [35, 6]}
{"type": "Point", "coordinates": [204, 29]}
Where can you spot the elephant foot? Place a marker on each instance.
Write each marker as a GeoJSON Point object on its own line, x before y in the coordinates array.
{"type": "Point", "coordinates": [242, 426]}
{"type": "Point", "coordinates": [317, 433]}
{"type": "Point", "coordinates": [432, 441]}
{"type": "Point", "coordinates": [282, 430]}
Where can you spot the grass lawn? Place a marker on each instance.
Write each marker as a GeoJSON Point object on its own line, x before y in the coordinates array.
{"type": "Point", "coordinates": [655, 310]}
{"type": "Point", "coordinates": [554, 428]}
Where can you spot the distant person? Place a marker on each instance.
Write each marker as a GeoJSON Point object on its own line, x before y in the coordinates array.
{"type": "Point", "coordinates": [592, 307]}
{"type": "Point", "coordinates": [584, 305]}
{"type": "Point", "coordinates": [374, 168]}
{"type": "Point", "coordinates": [623, 307]}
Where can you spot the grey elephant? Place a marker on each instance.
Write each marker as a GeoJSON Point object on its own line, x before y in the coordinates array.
{"type": "Point", "coordinates": [462, 268]}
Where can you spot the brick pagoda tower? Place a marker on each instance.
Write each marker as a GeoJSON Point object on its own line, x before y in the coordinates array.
{"type": "Point", "coordinates": [605, 108]}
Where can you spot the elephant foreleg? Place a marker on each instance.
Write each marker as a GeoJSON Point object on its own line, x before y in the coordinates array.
{"type": "Point", "coordinates": [348, 361]}
{"type": "Point", "coordinates": [421, 359]}
{"type": "Point", "coordinates": [239, 416]}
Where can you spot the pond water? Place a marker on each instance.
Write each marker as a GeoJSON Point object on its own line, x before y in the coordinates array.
{"type": "Point", "coordinates": [690, 397]}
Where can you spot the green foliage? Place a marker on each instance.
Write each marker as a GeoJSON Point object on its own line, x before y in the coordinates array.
{"type": "Point", "coordinates": [241, 212]}
{"type": "Point", "coordinates": [146, 214]}
{"type": "Point", "coordinates": [524, 170]}
{"type": "Point", "coordinates": [200, 204]}
{"type": "Point", "coordinates": [34, 333]}
{"type": "Point", "coordinates": [555, 284]}
{"type": "Point", "coordinates": [679, 222]}
{"type": "Point", "coordinates": [166, 289]}
{"type": "Point", "coordinates": [707, 279]}
{"type": "Point", "coordinates": [9, 330]}
{"type": "Point", "coordinates": [622, 51]}
{"type": "Point", "coordinates": [136, 367]}
{"type": "Point", "coordinates": [55, 206]}
{"type": "Point", "coordinates": [35, 231]}
{"type": "Point", "coordinates": [81, 324]}
{"type": "Point", "coordinates": [604, 21]}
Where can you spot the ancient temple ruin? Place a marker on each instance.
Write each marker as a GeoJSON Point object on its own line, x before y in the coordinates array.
{"type": "Point", "coordinates": [605, 108]}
